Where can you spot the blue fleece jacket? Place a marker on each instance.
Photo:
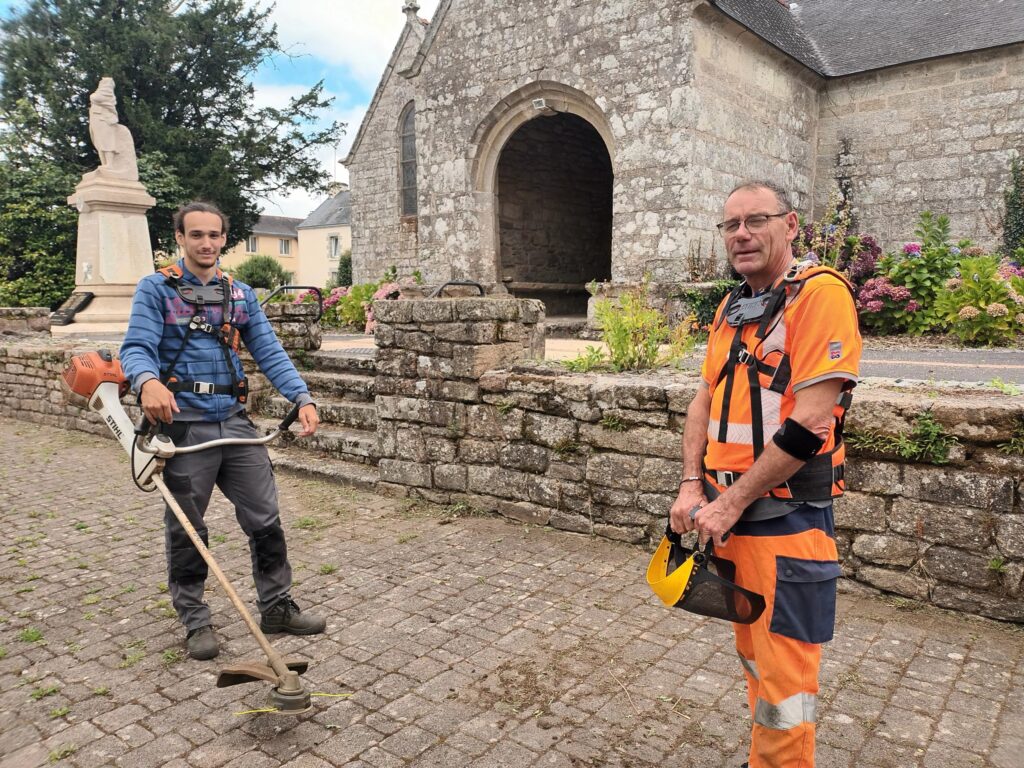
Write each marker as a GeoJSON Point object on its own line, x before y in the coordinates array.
{"type": "Point", "coordinates": [156, 332]}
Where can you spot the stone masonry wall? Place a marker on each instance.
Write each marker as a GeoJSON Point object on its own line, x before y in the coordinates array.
{"type": "Point", "coordinates": [935, 135]}
{"type": "Point", "coordinates": [465, 419]}
{"type": "Point", "coordinates": [381, 237]}
{"type": "Point", "coordinates": [757, 114]}
{"type": "Point", "coordinates": [24, 320]}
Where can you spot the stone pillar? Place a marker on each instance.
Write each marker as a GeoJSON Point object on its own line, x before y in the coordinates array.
{"type": "Point", "coordinates": [430, 357]}
{"type": "Point", "coordinates": [113, 253]}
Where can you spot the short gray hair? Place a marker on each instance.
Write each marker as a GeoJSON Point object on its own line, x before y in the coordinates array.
{"type": "Point", "coordinates": [781, 195]}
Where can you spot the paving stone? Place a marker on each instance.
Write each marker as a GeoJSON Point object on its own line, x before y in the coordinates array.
{"type": "Point", "coordinates": [477, 643]}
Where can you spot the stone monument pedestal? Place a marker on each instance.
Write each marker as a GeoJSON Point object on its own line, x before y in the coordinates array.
{"type": "Point", "coordinates": [113, 251]}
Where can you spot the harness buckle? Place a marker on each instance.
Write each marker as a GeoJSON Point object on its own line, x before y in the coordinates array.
{"type": "Point", "coordinates": [202, 387]}
{"type": "Point", "coordinates": [726, 477]}
{"type": "Point", "coordinates": [743, 356]}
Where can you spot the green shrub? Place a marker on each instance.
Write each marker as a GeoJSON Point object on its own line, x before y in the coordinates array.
{"type": "Point", "coordinates": [922, 268]}
{"type": "Point", "coordinates": [350, 308]}
{"type": "Point", "coordinates": [703, 302]}
{"type": "Point", "coordinates": [926, 442]}
{"type": "Point", "coordinates": [262, 271]}
{"type": "Point", "coordinates": [344, 276]}
{"type": "Point", "coordinates": [981, 305]}
{"type": "Point", "coordinates": [1013, 217]}
{"type": "Point", "coordinates": [590, 359]}
{"type": "Point", "coordinates": [634, 331]}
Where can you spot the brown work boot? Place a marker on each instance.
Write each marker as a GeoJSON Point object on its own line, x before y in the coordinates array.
{"type": "Point", "coordinates": [202, 643]}
{"type": "Point", "coordinates": [285, 616]}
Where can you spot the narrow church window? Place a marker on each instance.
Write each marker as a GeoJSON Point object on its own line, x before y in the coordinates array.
{"type": "Point", "coordinates": [408, 162]}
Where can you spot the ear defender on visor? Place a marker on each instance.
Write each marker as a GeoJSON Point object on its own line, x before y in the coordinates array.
{"type": "Point", "coordinates": [798, 441]}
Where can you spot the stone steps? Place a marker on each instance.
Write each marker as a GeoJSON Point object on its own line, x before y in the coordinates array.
{"type": "Point", "coordinates": [333, 470]}
{"type": "Point", "coordinates": [354, 360]}
{"type": "Point", "coordinates": [346, 386]}
{"type": "Point", "coordinates": [356, 445]}
{"type": "Point", "coordinates": [340, 413]}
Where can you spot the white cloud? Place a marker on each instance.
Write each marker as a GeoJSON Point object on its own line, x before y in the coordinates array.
{"type": "Point", "coordinates": [357, 35]}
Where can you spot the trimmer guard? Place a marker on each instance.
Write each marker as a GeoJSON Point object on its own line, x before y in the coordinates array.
{"type": "Point", "coordinates": [252, 671]}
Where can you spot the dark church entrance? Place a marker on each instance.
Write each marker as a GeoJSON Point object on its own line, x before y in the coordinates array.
{"type": "Point", "coordinates": [555, 212]}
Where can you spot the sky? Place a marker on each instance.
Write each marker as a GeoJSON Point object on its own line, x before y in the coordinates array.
{"type": "Point", "coordinates": [345, 43]}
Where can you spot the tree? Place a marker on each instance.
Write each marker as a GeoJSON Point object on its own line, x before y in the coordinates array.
{"type": "Point", "coordinates": [261, 271]}
{"type": "Point", "coordinates": [182, 73]}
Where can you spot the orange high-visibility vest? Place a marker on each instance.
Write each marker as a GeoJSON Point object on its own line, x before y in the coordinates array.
{"type": "Point", "coordinates": [807, 333]}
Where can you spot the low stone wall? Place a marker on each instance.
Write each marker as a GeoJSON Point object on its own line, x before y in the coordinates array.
{"type": "Point", "coordinates": [24, 320]}
{"type": "Point", "coordinates": [30, 389]}
{"type": "Point", "coordinates": [296, 325]}
{"type": "Point", "coordinates": [465, 419]}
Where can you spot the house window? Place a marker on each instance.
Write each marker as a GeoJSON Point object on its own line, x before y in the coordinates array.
{"type": "Point", "coordinates": [407, 178]}
{"type": "Point", "coordinates": [250, 244]}
{"type": "Point", "coordinates": [285, 247]}
{"type": "Point", "coordinates": [333, 247]}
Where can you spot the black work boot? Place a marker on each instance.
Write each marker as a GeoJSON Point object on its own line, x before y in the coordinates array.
{"type": "Point", "coordinates": [285, 616]}
{"type": "Point", "coordinates": [202, 643]}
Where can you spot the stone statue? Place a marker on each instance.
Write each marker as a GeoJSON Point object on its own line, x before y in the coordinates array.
{"type": "Point", "coordinates": [112, 140]}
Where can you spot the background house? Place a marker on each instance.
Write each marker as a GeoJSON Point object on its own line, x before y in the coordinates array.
{"type": "Point", "coordinates": [545, 143]}
{"type": "Point", "coordinates": [272, 236]}
{"type": "Point", "coordinates": [324, 236]}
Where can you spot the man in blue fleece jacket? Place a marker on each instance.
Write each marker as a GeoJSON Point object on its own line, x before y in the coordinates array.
{"type": "Point", "coordinates": [179, 357]}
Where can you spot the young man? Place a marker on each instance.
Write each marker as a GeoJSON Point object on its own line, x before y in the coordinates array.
{"type": "Point", "coordinates": [180, 356]}
{"type": "Point", "coordinates": [763, 458]}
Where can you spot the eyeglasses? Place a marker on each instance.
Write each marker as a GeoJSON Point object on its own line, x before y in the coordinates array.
{"type": "Point", "coordinates": [754, 223]}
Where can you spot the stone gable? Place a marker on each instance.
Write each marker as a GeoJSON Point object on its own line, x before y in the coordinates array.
{"type": "Point", "coordinates": [519, 107]}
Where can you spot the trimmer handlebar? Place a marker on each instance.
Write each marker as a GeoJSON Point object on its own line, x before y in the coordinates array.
{"type": "Point", "coordinates": [149, 446]}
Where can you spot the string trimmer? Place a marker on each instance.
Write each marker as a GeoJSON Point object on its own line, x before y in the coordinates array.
{"type": "Point", "coordinates": [96, 380]}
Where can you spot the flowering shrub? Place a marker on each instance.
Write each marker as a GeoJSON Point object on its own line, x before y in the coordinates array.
{"type": "Point", "coordinates": [858, 258]}
{"type": "Point", "coordinates": [922, 268]}
{"type": "Point", "coordinates": [826, 236]}
{"type": "Point", "coordinates": [885, 307]}
{"type": "Point", "coordinates": [984, 304]}
{"type": "Point", "coordinates": [387, 290]}
{"type": "Point", "coordinates": [829, 242]}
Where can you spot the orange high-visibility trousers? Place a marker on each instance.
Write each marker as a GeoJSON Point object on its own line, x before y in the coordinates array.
{"type": "Point", "coordinates": [792, 561]}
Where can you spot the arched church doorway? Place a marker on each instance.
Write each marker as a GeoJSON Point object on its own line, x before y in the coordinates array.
{"type": "Point", "coordinates": [554, 212]}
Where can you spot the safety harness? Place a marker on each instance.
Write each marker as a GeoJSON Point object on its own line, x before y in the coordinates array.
{"type": "Point", "coordinates": [227, 335]}
{"type": "Point", "coordinates": [822, 477]}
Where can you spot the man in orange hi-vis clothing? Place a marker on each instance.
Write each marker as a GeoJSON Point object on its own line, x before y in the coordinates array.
{"type": "Point", "coordinates": [763, 459]}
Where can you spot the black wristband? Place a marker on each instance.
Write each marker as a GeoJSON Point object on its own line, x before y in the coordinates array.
{"type": "Point", "coordinates": [798, 441]}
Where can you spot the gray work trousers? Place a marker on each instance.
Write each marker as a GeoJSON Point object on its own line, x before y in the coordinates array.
{"type": "Point", "coordinates": [245, 476]}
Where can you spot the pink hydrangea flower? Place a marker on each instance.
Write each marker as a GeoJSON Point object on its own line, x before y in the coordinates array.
{"type": "Point", "coordinates": [996, 310]}
{"type": "Point", "coordinates": [912, 249]}
{"type": "Point", "coordinates": [913, 306]}
{"type": "Point", "coordinates": [968, 313]}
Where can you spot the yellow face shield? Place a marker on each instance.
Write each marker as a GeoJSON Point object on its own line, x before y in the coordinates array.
{"type": "Point", "coordinates": [699, 582]}
{"type": "Point", "coordinates": [667, 582]}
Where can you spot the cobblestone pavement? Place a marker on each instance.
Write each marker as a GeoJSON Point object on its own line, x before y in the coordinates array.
{"type": "Point", "coordinates": [463, 641]}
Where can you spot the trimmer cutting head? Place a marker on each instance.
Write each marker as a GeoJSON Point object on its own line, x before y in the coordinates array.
{"type": "Point", "coordinates": [289, 703]}
{"type": "Point", "coordinates": [289, 696]}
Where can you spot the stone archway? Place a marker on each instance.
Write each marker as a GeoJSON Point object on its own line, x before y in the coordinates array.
{"type": "Point", "coordinates": [543, 174]}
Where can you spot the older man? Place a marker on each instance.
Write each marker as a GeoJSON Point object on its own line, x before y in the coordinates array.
{"type": "Point", "coordinates": [763, 459]}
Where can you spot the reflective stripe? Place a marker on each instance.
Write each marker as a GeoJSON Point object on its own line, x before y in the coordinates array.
{"type": "Point", "coordinates": [750, 666]}
{"type": "Point", "coordinates": [788, 713]}
{"type": "Point", "coordinates": [742, 434]}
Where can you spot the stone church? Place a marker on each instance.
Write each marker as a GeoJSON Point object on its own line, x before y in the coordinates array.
{"type": "Point", "coordinates": [537, 145]}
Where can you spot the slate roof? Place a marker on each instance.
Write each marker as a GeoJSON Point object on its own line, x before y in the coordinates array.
{"type": "Point", "coordinates": [278, 226]}
{"type": "Point", "coordinates": [843, 37]}
{"type": "Point", "coordinates": [333, 212]}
